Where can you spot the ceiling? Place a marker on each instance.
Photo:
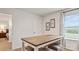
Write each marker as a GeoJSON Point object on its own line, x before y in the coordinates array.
{"type": "Point", "coordinates": [41, 11]}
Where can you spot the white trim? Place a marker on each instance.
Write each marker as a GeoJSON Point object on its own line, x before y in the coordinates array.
{"type": "Point", "coordinates": [10, 28]}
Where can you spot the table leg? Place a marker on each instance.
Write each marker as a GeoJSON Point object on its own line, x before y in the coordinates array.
{"type": "Point", "coordinates": [62, 43]}
{"type": "Point", "coordinates": [23, 46]}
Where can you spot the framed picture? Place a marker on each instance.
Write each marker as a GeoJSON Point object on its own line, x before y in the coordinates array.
{"type": "Point", "coordinates": [47, 26]}
{"type": "Point", "coordinates": [52, 23]}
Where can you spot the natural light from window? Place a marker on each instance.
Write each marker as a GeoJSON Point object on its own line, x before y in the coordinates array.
{"type": "Point", "coordinates": [71, 26]}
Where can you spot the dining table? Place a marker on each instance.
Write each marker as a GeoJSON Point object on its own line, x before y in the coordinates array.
{"type": "Point", "coordinates": [40, 41]}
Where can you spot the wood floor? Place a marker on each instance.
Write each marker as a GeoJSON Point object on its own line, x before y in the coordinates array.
{"type": "Point", "coordinates": [4, 45]}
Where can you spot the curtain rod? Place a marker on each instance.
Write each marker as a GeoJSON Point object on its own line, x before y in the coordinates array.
{"type": "Point", "coordinates": [70, 10]}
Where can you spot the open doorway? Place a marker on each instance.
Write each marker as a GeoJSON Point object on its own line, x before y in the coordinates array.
{"type": "Point", "coordinates": [5, 32]}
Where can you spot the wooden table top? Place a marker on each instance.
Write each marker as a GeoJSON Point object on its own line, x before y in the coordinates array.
{"type": "Point", "coordinates": [38, 40]}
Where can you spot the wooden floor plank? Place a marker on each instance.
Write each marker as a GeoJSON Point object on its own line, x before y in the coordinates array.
{"type": "Point", "coordinates": [4, 45]}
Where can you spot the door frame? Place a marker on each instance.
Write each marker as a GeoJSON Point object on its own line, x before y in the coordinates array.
{"type": "Point", "coordinates": [10, 27]}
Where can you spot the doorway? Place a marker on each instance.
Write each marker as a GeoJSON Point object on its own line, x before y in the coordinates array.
{"type": "Point", "coordinates": [5, 32]}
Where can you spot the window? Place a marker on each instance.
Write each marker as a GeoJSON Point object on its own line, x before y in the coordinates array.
{"type": "Point", "coordinates": [71, 26]}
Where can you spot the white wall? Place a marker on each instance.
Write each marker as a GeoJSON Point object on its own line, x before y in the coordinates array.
{"type": "Point", "coordinates": [56, 30]}
{"type": "Point", "coordinates": [24, 24]}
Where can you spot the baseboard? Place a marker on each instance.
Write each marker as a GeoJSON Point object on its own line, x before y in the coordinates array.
{"type": "Point", "coordinates": [68, 49]}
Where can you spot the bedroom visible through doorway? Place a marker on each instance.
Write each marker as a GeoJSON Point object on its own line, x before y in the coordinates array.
{"type": "Point", "coordinates": [5, 32]}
